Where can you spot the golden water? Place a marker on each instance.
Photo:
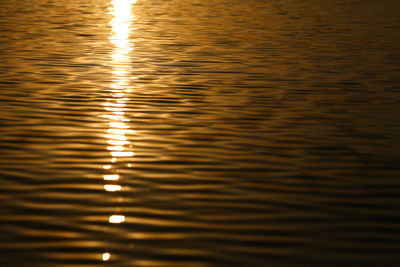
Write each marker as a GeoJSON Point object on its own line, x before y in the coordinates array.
{"type": "Point", "coordinates": [199, 133]}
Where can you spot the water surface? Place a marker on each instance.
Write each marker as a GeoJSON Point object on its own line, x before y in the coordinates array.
{"type": "Point", "coordinates": [199, 133]}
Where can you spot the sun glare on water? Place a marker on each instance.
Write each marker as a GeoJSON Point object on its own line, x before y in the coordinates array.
{"type": "Point", "coordinates": [115, 105]}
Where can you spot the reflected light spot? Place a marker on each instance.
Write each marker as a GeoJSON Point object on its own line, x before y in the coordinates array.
{"type": "Point", "coordinates": [111, 177]}
{"type": "Point", "coordinates": [113, 160]}
{"type": "Point", "coordinates": [118, 142]}
{"type": "Point", "coordinates": [118, 105]}
{"type": "Point", "coordinates": [116, 137]}
{"type": "Point", "coordinates": [116, 219]}
{"type": "Point", "coordinates": [122, 11]}
{"type": "Point", "coordinates": [112, 187]}
{"type": "Point", "coordinates": [122, 154]}
{"type": "Point", "coordinates": [106, 256]}
{"type": "Point", "coordinates": [129, 165]}
{"type": "Point", "coordinates": [117, 88]}
{"type": "Point", "coordinates": [113, 117]}
{"type": "Point", "coordinates": [117, 148]}
{"type": "Point", "coordinates": [121, 72]}
{"type": "Point", "coordinates": [118, 95]}
{"type": "Point", "coordinates": [120, 131]}
{"type": "Point", "coordinates": [106, 167]}
{"type": "Point", "coordinates": [114, 109]}
{"type": "Point", "coordinates": [117, 124]}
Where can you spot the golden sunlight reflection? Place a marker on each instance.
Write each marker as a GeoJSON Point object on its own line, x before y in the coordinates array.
{"type": "Point", "coordinates": [122, 154]}
{"type": "Point", "coordinates": [116, 219]}
{"type": "Point", "coordinates": [112, 187]}
{"type": "Point", "coordinates": [106, 256]}
{"type": "Point", "coordinates": [115, 106]}
{"type": "Point", "coordinates": [111, 177]}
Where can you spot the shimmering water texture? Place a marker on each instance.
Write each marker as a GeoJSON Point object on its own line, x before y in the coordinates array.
{"type": "Point", "coordinates": [199, 133]}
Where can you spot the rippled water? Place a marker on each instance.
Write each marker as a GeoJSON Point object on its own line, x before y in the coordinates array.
{"type": "Point", "coordinates": [199, 133]}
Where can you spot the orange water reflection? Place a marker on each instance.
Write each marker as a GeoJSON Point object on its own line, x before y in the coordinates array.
{"type": "Point", "coordinates": [115, 106]}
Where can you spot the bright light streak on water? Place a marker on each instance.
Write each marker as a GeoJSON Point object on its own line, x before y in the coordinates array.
{"type": "Point", "coordinates": [111, 177]}
{"type": "Point", "coordinates": [122, 154]}
{"type": "Point", "coordinates": [119, 128]}
{"type": "Point", "coordinates": [112, 188]}
{"type": "Point", "coordinates": [116, 219]}
{"type": "Point", "coordinates": [118, 142]}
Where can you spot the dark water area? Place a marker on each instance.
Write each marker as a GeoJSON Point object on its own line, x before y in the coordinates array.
{"type": "Point", "coordinates": [199, 133]}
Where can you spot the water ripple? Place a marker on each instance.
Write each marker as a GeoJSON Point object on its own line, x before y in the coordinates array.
{"type": "Point", "coordinates": [199, 133]}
